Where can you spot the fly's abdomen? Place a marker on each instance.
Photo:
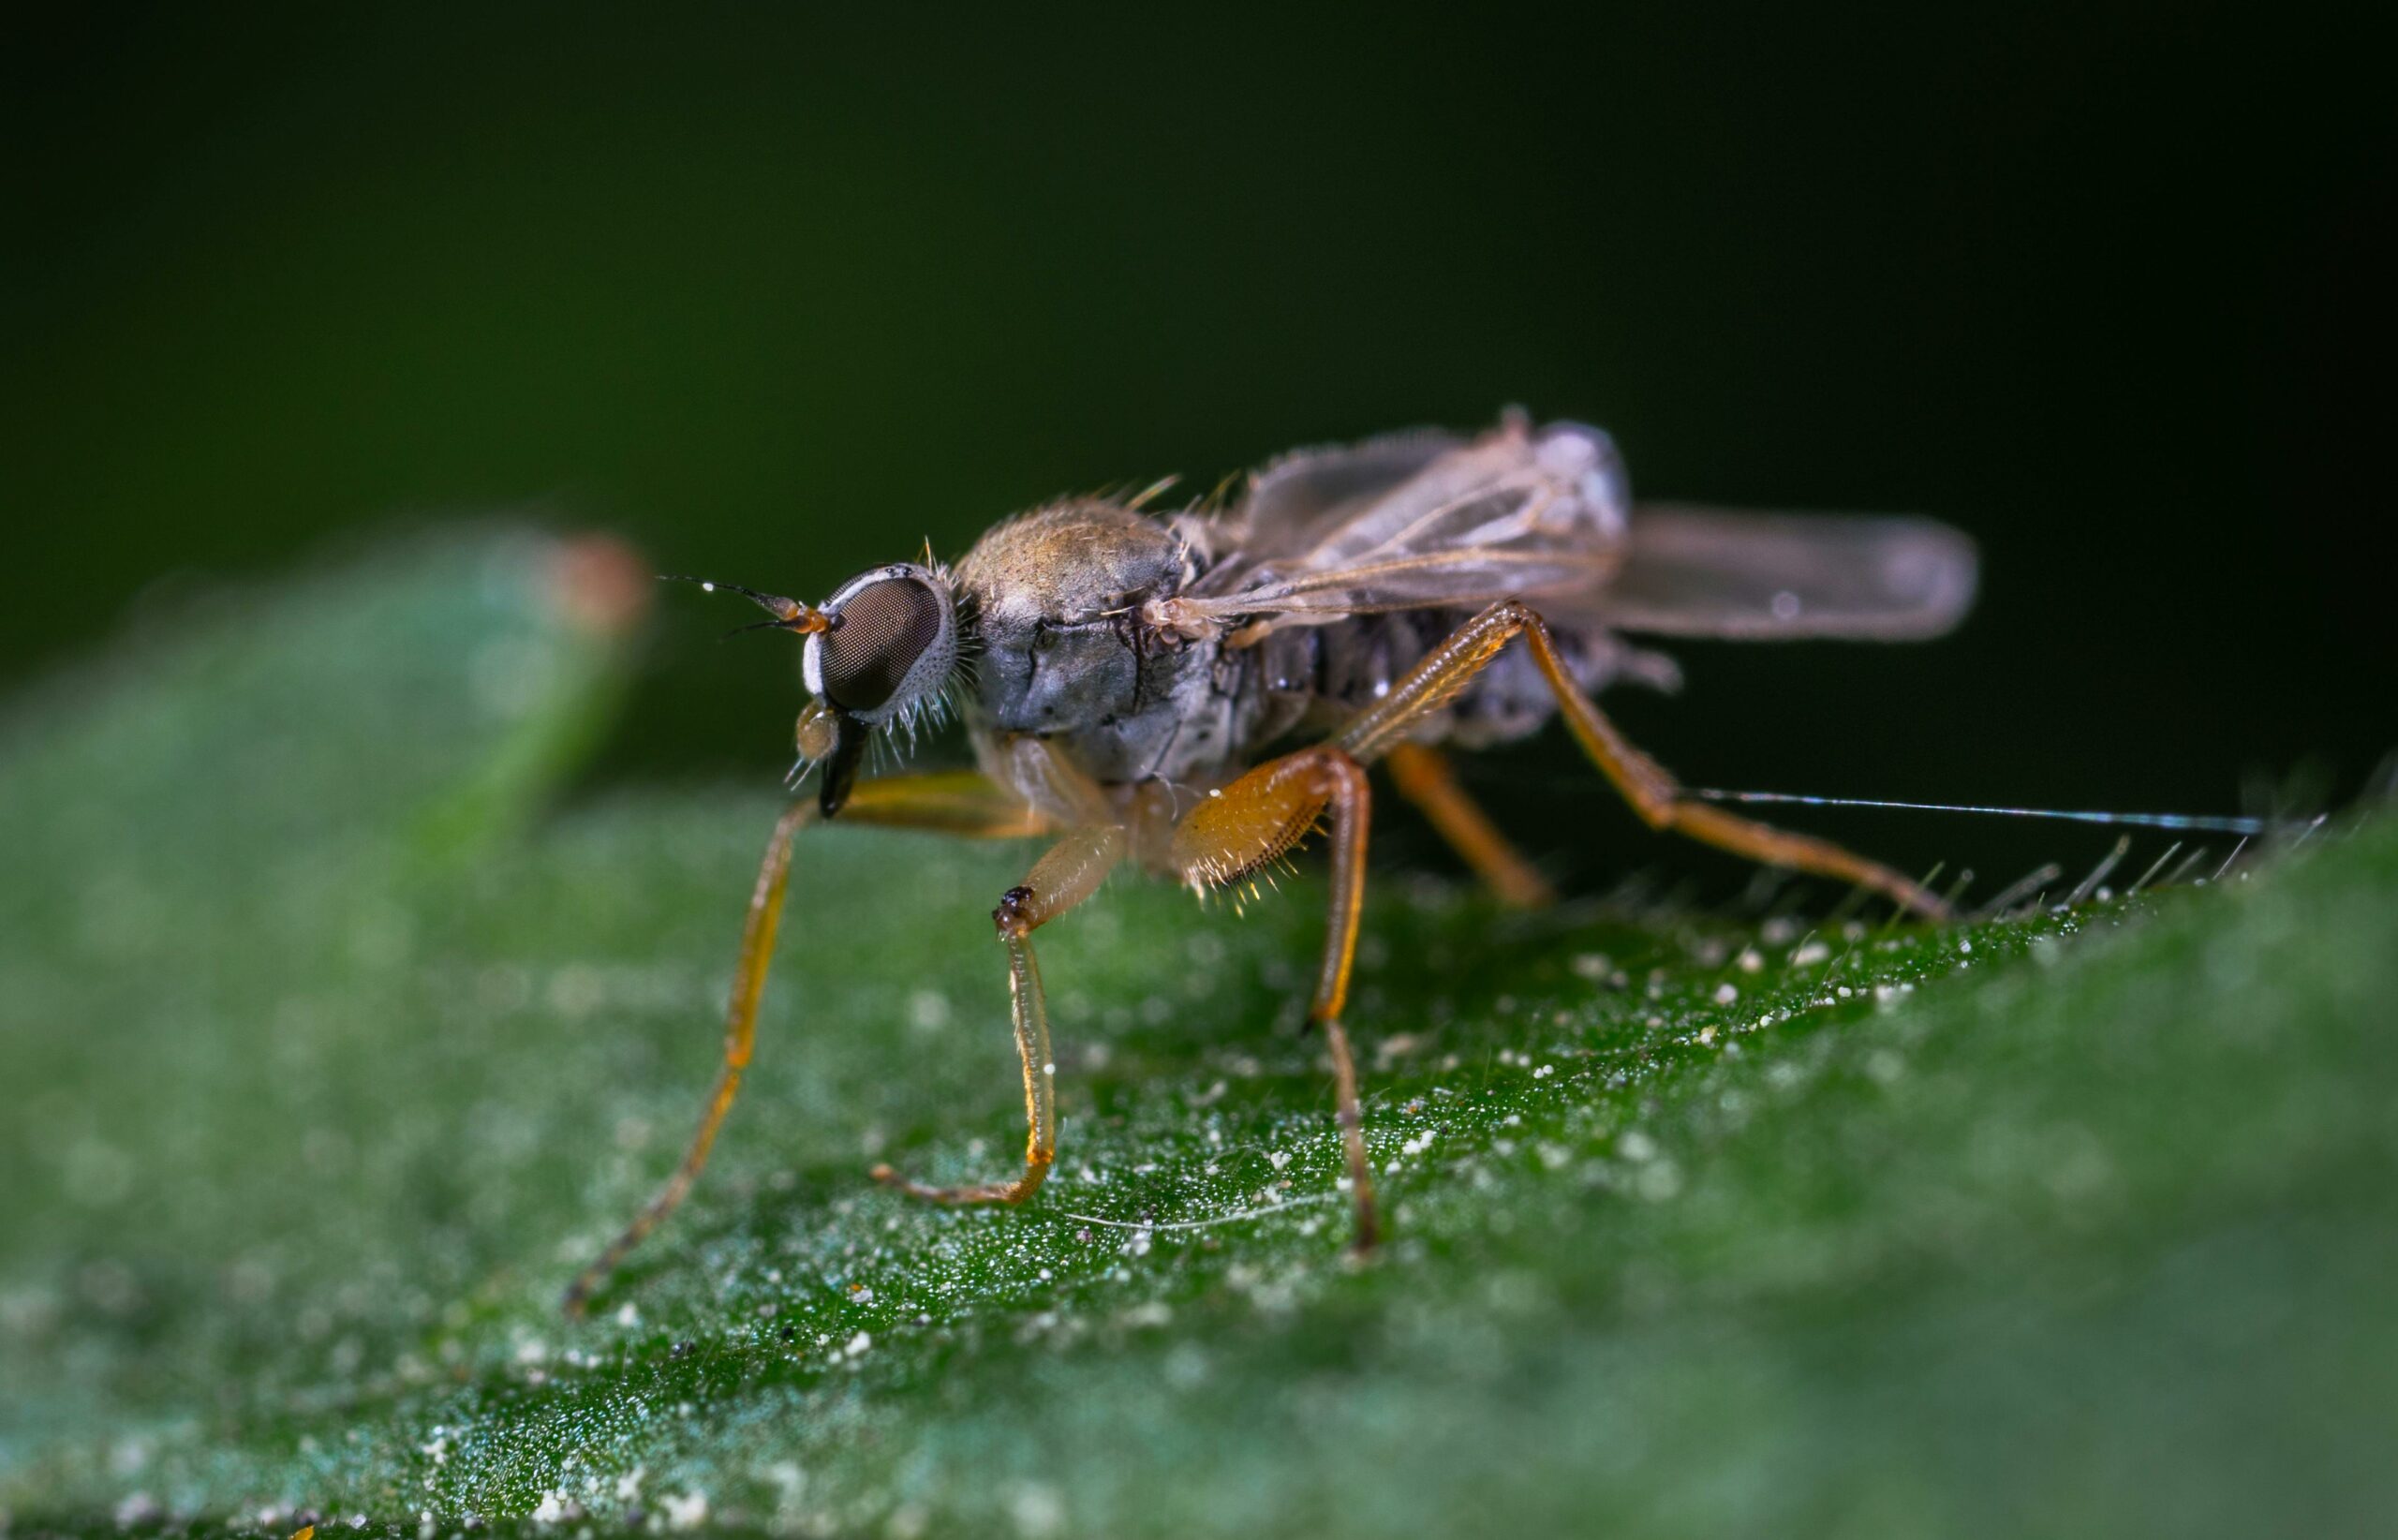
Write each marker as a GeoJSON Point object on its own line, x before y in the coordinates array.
{"type": "Point", "coordinates": [1323, 675]}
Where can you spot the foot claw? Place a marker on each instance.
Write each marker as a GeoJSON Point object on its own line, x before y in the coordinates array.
{"type": "Point", "coordinates": [1011, 1192]}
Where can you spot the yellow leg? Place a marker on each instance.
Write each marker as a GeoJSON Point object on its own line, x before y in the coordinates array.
{"type": "Point", "coordinates": [1241, 828]}
{"type": "Point", "coordinates": [1424, 777]}
{"type": "Point", "coordinates": [954, 803]}
{"type": "Point", "coordinates": [1647, 786]}
{"type": "Point", "coordinates": [1068, 874]}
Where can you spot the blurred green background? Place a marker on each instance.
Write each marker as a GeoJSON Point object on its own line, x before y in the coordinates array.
{"type": "Point", "coordinates": [334, 1053]}
{"type": "Point", "coordinates": [779, 292]}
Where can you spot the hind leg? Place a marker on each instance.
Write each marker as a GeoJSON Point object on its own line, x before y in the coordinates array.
{"type": "Point", "coordinates": [1424, 777]}
{"type": "Point", "coordinates": [1647, 786]}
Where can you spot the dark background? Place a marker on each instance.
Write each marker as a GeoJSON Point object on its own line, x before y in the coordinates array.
{"type": "Point", "coordinates": [778, 294]}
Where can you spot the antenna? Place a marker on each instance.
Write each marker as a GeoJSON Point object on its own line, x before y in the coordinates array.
{"type": "Point", "coordinates": [790, 614]}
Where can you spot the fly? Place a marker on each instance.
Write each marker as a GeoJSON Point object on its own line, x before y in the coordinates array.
{"type": "Point", "coordinates": [1196, 691]}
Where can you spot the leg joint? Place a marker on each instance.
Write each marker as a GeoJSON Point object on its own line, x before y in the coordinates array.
{"type": "Point", "coordinates": [1339, 770]}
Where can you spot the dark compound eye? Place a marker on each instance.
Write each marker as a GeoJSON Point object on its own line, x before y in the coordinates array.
{"type": "Point", "coordinates": [879, 634]}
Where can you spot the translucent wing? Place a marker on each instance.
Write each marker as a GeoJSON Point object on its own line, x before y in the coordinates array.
{"type": "Point", "coordinates": [1704, 571]}
{"type": "Point", "coordinates": [1416, 521]}
{"type": "Point", "coordinates": [1293, 503]}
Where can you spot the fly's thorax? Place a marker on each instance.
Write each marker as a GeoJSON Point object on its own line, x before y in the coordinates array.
{"type": "Point", "coordinates": [1052, 600]}
{"type": "Point", "coordinates": [1051, 603]}
{"type": "Point", "coordinates": [1069, 563]}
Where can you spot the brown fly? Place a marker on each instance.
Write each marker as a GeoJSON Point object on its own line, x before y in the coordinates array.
{"type": "Point", "coordinates": [1196, 691]}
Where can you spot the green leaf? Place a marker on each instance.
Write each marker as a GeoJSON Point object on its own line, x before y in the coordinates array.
{"type": "Point", "coordinates": [326, 1060]}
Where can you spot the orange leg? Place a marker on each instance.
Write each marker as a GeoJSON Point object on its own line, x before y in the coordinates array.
{"type": "Point", "coordinates": [1071, 873]}
{"type": "Point", "coordinates": [1647, 786]}
{"type": "Point", "coordinates": [1241, 828]}
{"type": "Point", "coordinates": [952, 802]}
{"type": "Point", "coordinates": [1424, 777]}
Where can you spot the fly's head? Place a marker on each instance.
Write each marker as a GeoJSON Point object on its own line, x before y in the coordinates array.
{"type": "Point", "coordinates": [881, 653]}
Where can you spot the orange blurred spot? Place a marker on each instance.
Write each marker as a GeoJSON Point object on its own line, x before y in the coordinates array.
{"type": "Point", "coordinates": [600, 584]}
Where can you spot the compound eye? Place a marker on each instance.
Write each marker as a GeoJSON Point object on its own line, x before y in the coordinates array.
{"type": "Point", "coordinates": [881, 632]}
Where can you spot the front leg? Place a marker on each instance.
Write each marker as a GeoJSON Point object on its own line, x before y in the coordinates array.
{"type": "Point", "coordinates": [955, 803]}
{"type": "Point", "coordinates": [1068, 874]}
{"type": "Point", "coordinates": [1239, 829]}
